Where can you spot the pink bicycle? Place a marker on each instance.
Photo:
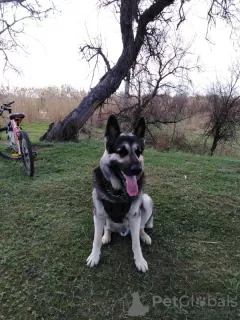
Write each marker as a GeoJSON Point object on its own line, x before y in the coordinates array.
{"type": "Point", "coordinates": [16, 145]}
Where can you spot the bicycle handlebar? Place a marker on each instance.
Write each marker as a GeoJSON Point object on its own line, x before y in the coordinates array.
{"type": "Point", "coordinates": [6, 106]}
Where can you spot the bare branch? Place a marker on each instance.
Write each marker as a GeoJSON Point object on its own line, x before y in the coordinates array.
{"type": "Point", "coordinates": [166, 121]}
{"type": "Point", "coordinates": [149, 15]}
{"type": "Point", "coordinates": [8, 1]}
{"type": "Point", "coordinates": [90, 52]}
{"type": "Point", "coordinates": [126, 23]}
{"type": "Point", "coordinates": [12, 16]}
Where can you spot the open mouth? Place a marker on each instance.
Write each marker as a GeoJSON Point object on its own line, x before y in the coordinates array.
{"type": "Point", "coordinates": [128, 177]}
{"type": "Point", "coordinates": [131, 184]}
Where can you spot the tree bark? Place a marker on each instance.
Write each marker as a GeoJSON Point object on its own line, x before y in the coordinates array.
{"type": "Point", "coordinates": [216, 139]}
{"type": "Point", "coordinates": [69, 127]}
{"type": "Point", "coordinates": [126, 90]}
{"type": "Point", "coordinates": [214, 146]}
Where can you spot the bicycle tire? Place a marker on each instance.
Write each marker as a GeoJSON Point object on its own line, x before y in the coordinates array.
{"type": "Point", "coordinates": [9, 157]}
{"type": "Point", "coordinates": [27, 154]}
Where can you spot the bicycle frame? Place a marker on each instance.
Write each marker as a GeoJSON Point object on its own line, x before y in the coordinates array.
{"type": "Point", "coordinates": [18, 140]}
{"type": "Point", "coordinates": [17, 133]}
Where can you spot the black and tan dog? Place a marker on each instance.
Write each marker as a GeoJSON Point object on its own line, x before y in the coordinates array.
{"type": "Point", "coordinates": [119, 202]}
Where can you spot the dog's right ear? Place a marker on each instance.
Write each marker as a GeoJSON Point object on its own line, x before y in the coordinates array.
{"type": "Point", "coordinates": [112, 128]}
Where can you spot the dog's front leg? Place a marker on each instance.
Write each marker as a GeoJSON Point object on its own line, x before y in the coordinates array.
{"type": "Point", "coordinates": [134, 224]}
{"type": "Point", "coordinates": [94, 257]}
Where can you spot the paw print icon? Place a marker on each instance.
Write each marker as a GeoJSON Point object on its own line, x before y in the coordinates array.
{"type": "Point", "coordinates": [200, 301]}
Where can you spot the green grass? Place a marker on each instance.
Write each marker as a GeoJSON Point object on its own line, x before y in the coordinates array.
{"type": "Point", "coordinates": [46, 233]}
{"type": "Point", "coordinates": [35, 130]}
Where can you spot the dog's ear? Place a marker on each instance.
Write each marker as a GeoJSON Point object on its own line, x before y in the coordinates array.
{"type": "Point", "coordinates": [140, 128]}
{"type": "Point", "coordinates": [112, 128]}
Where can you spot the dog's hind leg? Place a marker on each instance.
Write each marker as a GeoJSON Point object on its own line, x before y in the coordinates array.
{"type": "Point", "coordinates": [145, 237]}
{"type": "Point", "coordinates": [106, 238]}
{"type": "Point", "coordinates": [149, 224]}
{"type": "Point", "coordinates": [146, 218]}
{"type": "Point", "coordinates": [147, 212]}
{"type": "Point", "coordinates": [107, 233]}
{"type": "Point", "coordinates": [140, 262]}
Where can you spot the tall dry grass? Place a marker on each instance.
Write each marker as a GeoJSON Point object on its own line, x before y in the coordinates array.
{"type": "Point", "coordinates": [42, 104]}
{"type": "Point", "coordinates": [53, 104]}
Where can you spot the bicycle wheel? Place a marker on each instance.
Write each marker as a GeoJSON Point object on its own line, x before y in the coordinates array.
{"type": "Point", "coordinates": [27, 154]}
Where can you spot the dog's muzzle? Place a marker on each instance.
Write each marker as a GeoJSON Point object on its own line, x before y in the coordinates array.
{"type": "Point", "coordinates": [136, 169]}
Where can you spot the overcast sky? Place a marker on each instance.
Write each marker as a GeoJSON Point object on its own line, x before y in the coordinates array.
{"type": "Point", "coordinates": [53, 47]}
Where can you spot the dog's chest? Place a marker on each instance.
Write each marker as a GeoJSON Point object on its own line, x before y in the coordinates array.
{"type": "Point", "coordinates": [117, 203]}
{"type": "Point", "coordinates": [116, 210]}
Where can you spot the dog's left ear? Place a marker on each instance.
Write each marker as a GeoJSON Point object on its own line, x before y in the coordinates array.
{"type": "Point", "coordinates": [140, 128]}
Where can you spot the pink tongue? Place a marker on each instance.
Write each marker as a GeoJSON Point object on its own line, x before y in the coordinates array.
{"type": "Point", "coordinates": [132, 186]}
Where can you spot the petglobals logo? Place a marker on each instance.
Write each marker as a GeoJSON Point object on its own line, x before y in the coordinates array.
{"type": "Point", "coordinates": [186, 301]}
{"type": "Point", "coordinates": [139, 306]}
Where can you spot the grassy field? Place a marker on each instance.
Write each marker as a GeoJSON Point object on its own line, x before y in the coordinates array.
{"type": "Point", "coordinates": [46, 233]}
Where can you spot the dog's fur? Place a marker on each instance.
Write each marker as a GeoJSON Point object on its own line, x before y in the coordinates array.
{"type": "Point", "coordinates": [119, 202]}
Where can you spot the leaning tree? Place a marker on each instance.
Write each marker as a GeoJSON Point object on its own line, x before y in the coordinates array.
{"type": "Point", "coordinates": [136, 24]}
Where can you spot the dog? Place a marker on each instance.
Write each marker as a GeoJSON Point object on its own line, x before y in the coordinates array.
{"type": "Point", "coordinates": [119, 202]}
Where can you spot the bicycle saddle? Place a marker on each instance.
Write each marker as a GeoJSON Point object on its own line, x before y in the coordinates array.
{"type": "Point", "coordinates": [16, 116]}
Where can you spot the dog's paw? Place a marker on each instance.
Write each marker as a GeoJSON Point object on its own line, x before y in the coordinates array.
{"type": "Point", "coordinates": [93, 259]}
{"type": "Point", "coordinates": [106, 238]}
{"type": "Point", "coordinates": [141, 264]}
{"type": "Point", "coordinates": [145, 238]}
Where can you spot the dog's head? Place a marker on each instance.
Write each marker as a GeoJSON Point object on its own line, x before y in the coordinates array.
{"type": "Point", "coordinates": [123, 155]}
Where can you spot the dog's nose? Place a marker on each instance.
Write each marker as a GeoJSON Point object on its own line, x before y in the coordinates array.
{"type": "Point", "coordinates": [136, 168]}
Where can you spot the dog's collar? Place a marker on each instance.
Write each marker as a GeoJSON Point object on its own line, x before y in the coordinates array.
{"type": "Point", "coordinates": [106, 188]}
{"type": "Point", "coordinates": [117, 194]}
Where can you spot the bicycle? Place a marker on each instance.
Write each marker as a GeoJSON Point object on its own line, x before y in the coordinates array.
{"type": "Point", "coordinates": [19, 146]}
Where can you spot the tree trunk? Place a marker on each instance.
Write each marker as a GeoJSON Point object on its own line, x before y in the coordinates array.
{"type": "Point", "coordinates": [215, 142]}
{"type": "Point", "coordinates": [69, 127]}
{"type": "Point", "coordinates": [214, 146]}
{"type": "Point", "coordinates": [126, 90]}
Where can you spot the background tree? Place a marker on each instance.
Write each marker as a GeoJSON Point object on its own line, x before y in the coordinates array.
{"type": "Point", "coordinates": [224, 110]}
{"type": "Point", "coordinates": [13, 14]}
{"type": "Point", "coordinates": [136, 23]}
{"type": "Point", "coordinates": [162, 67]}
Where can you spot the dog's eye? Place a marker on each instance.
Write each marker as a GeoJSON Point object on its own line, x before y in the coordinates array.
{"type": "Point", "coordinates": [122, 152]}
{"type": "Point", "coordinates": [138, 152]}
